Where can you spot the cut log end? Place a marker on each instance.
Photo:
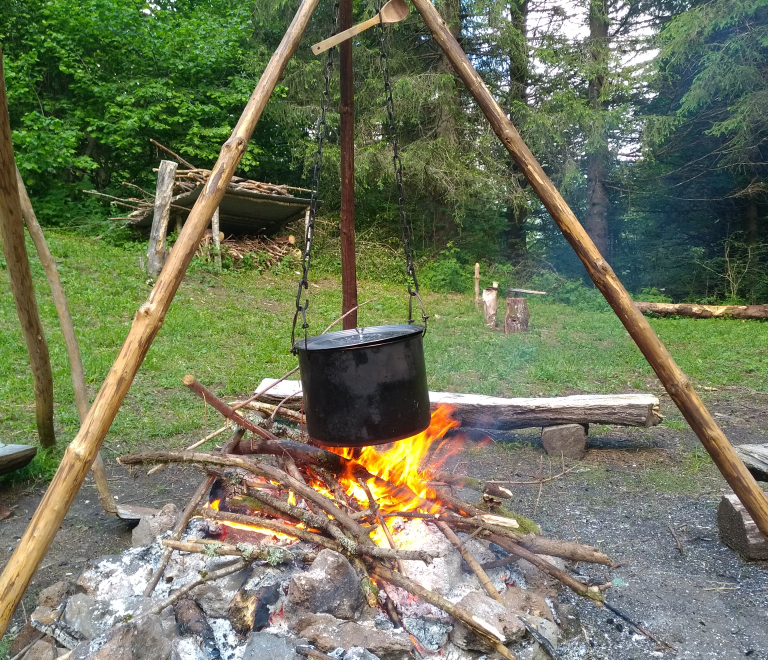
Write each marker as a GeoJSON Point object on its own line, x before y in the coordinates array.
{"type": "Point", "coordinates": [738, 531]}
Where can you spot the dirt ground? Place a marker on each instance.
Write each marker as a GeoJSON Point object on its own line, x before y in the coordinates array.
{"type": "Point", "coordinates": [633, 485]}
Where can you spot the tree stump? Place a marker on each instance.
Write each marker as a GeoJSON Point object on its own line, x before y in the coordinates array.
{"type": "Point", "coordinates": [156, 253]}
{"type": "Point", "coordinates": [490, 303]}
{"type": "Point", "coordinates": [738, 531]}
{"type": "Point", "coordinates": [516, 318]}
{"type": "Point", "coordinates": [569, 440]}
{"type": "Point", "coordinates": [477, 285]}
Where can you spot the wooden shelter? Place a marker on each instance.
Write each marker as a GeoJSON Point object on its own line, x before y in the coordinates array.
{"type": "Point", "coordinates": [85, 447]}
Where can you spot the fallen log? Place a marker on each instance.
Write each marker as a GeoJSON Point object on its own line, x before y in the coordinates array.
{"type": "Point", "coordinates": [749, 312]}
{"type": "Point", "coordinates": [502, 414]}
{"type": "Point", "coordinates": [755, 457]}
{"type": "Point", "coordinates": [15, 457]}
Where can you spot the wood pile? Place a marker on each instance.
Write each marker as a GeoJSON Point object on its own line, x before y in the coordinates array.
{"type": "Point", "coordinates": [332, 500]}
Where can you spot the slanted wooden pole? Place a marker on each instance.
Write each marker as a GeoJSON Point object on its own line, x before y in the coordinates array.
{"type": "Point", "coordinates": [70, 338]}
{"type": "Point", "coordinates": [347, 140]}
{"type": "Point", "coordinates": [156, 253]}
{"type": "Point", "coordinates": [84, 448]}
{"type": "Point", "coordinates": [20, 275]}
{"type": "Point", "coordinates": [674, 380]}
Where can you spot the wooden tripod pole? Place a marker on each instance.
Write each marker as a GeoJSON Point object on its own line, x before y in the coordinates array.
{"type": "Point", "coordinates": [671, 376]}
{"type": "Point", "coordinates": [70, 338]}
{"type": "Point", "coordinates": [84, 448]}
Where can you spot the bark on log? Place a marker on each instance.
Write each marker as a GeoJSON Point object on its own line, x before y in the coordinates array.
{"type": "Point", "coordinates": [70, 338]}
{"type": "Point", "coordinates": [516, 318]}
{"type": "Point", "coordinates": [750, 312]}
{"type": "Point", "coordinates": [738, 531]}
{"type": "Point", "coordinates": [20, 276]}
{"type": "Point", "coordinates": [755, 457]}
{"type": "Point", "coordinates": [84, 448]}
{"type": "Point", "coordinates": [156, 253]}
{"type": "Point", "coordinates": [490, 303]}
{"type": "Point", "coordinates": [477, 285]}
{"type": "Point", "coordinates": [499, 413]}
{"type": "Point", "coordinates": [674, 380]}
{"type": "Point", "coordinates": [216, 239]}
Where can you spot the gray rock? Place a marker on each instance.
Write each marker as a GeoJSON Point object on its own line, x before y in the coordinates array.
{"type": "Point", "coordinates": [569, 440]}
{"type": "Point", "coordinates": [86, 615]}
{"type": "Point", "coordinates": [330, 586]}
{"type": "Point", "coordinates": [118, 576]}
{"type": "Point", "coordinates": [42, 650]}
{"type": "Point", "coordinates": [328, 633]}
{"type": "Point", "coordinates": [54, 595]}
{"type": "Point", "coordinates": [525, 601]}
{"type": "Point", "coordinates": [570, 624]}
{"type": "Point", "coordinates": [150, 527]}
{"type": "Point", "coordinates": [359, 653]}
{"type": "Point", "coordinates": [261, 646]}
{"type": "Point", "coordinates": [537, 579]}
{"type": "Point", "coordinates": [142, 639]}
{"type": "Point", "coordinates": [214, 597]}
{"type": "Point", "coordinates": [490, 612]}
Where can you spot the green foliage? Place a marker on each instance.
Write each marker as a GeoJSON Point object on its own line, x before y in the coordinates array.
{"type": "Point", "coordinates": [447, 274]}
{"type": "Point", "coordinates": [652, 294]}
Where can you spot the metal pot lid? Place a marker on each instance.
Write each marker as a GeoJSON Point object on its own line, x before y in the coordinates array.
{"type": "Point", "coordinates": [359, 337]}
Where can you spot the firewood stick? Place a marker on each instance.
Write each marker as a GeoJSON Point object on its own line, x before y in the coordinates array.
{"type": "Point", "coordinates": [209, 397]}
{"type": "Point", "coordinates": [473, 564]}
{"type": "Point", "coordinates": [543, 565]}
{"type": "Point", "coordinates": [269, 409]}
{"type": "Point", "coordinates": [262, 553]}
{"type": "Point", "coordinates": [485, 630]}
{"type": "Point", "coordinates": [204, 577]}
{"type": "Point", "coordinates": [374, 507]}
{"type": "Point", "coordinates": [311, 519]}
{"type": "Point", "coordinates": [534, 543]}
{"type": "Point", "coordinates": [79, 456]}
{"type": "Point", "coordinates": [194, 445]}
{"type": "Point", "coordinates": [186, 515]}
{"type": "Point", "coordinates": [273, 525]}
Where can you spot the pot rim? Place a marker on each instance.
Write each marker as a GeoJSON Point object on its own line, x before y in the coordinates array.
{"type": "Point", "coordinates": [336, 341]}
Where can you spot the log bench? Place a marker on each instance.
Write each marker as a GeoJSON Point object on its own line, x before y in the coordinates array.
{"type": "Point", "coordinates": [15, 457]}
{"type": "Point", "coordinates": [505, 414]}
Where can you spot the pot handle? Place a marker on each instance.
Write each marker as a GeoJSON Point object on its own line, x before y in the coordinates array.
{"type": "Point", "coordinates": [411, 295]}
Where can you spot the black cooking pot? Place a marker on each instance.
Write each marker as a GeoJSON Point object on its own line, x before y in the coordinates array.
{"type": "Point", "coordinates": [365, 386]}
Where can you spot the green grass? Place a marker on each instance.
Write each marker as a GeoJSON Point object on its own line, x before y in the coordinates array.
{"type": "Point", "coordinates": [232, 330]}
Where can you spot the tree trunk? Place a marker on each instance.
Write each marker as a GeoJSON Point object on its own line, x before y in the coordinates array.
{"type": "Point", "coordinates": [597, 194]}
{"type": "Point", "coordinates": [705, 311]}
{"type": "Point", "coordinates": [517, 207]}
{"type": "Point", "coordinates": [347, 140]}
{"type": "Point", "coordinates": [156, 253]}
{"type": "Point", "coordinates": [20, 276]}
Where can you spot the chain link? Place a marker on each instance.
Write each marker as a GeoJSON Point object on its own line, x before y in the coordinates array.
{"type": "Point", "coordinates": [410, 269]}
{"type": "Point", "coordinates": [309, 230]}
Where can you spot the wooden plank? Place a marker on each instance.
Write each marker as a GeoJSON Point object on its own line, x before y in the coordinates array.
{"type": "Point", "coordinates": [755, 457]}
{"type": "Point", "coordinates": [490, 412]}
{"type": "Point", "coordinates": [15, 457]}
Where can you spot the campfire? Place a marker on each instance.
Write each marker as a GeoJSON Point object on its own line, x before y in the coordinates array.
{"type": "Point", "coordinates": [331, 553]}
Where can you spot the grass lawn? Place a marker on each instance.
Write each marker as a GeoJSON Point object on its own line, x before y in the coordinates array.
{"type": "Point", "coordinates": [232, 330]}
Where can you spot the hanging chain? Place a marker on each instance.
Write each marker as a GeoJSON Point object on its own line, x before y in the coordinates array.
{"type": "Point", "coordinates": [309, 230]}
{"type": "Point", "coordinates": [410, 269]}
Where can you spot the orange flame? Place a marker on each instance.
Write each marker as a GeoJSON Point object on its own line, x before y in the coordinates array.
{"type": "Point", "coordinates": [411, 462]}
{"type": "Point", "coordinates": [250, 528]}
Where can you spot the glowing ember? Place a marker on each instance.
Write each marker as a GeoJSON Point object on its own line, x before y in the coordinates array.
{"type": "Point", "coordinates": [411, 462]}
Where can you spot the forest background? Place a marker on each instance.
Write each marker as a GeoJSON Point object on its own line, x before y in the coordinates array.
{"type": "Point", "coordinates": [649, 116]}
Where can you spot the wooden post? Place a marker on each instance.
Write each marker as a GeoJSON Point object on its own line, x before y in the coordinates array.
{"type": "Point", "coordinates": [490, 304]}
{"type": "Point", "coordinates": [347, 140]}
{"type": "Point", "coordinates": [516, 318]}
{"type": "Point", "coordinates": [20, 275]}
{"type": "Point", "coordinates": [676, 383]}
{"type": "Point", "coordinates": [83, 450]}
{"type": "Point", "coordinates": [68, 331]}
{"type": "Point", "coordinates": [477, 285]}
{"type": "Point", "coordinates": [216, 239]}
{"type": "Point", "coordinates": [164, 192]}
